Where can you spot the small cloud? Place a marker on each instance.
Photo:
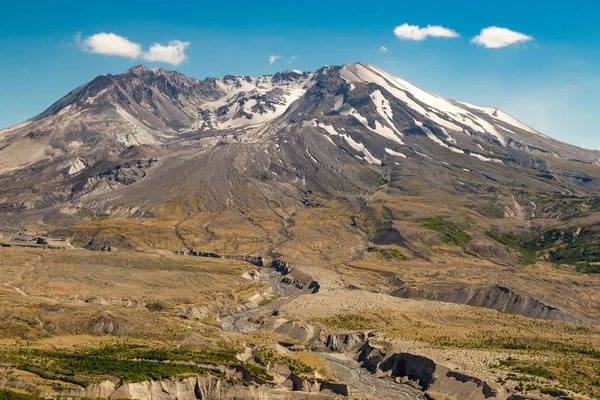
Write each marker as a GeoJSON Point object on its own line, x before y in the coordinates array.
{"type": "Point", "coordinates": [383, 49]}
{"type": "Point", "coordinates": [109, 44]}
{"type": "Point", "coordinates": [494, 37]}
{"type": "Point", "coordinates": [414, 32]}
{"type": "Point", "coordinates": [292, 58]}
{"type": "Point", "coordinates": [273, 58]}
{"type": "Point", "coordinates": [173, 53]}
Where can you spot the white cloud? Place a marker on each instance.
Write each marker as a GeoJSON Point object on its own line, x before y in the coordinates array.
{"type": "Point", "coordinates": [414, 32]}
{"type": "Point", "coordinates": [496, 38]}
{"type": "Point", "coordinates": [110, 44]}
{"type": "Point", "coordinates": [383, 49]}
{"type": "Point", "coordinates": [273, 58]}
{"type": "Point", "coordinates": [173, 53]}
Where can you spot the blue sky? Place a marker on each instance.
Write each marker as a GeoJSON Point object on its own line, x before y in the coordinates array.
{"type": "Point", "coordinates": [551, 82]}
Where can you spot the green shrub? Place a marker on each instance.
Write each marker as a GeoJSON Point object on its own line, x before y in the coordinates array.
{"type": "Point", "coordinates": [451, 233]}
{"type": "Point", "coordinates": [553, 391]}
{"type": "Point", "coordinates": [10, 395]}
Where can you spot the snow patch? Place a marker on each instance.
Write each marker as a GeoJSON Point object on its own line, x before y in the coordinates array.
{"type": "Point", "coordinates": [395, 153]}
{"type": "Point", "coordinates": [484, 158]}
{"type": "Point", "coordinates": [384, 109]}
{"type": "Point", "coordinates": [361, 148]}
{"type": "Point", "coordinates": [437, 109]}
{"type": "Point", "coordinates": [423, 154]}
{"type": "Point", "coordinates": [381, 130]}
{"type": "Point", "coordinates": [504, 117]}
{"type": "Point", "coordinates": [437, 140]}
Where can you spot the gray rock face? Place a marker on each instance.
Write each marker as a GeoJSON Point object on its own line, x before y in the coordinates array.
{"type": "Point", "coordinates": [495, 297]}
{"type": "Point", "coordinates": [191, 388]}
{"type": "Point", "coordinates": [425, 374]}
{"type": "Point", "coordinates": [340, 342]}
{"type": "Point", "coordinates": [108, 325]}
{"type": "Point", "coordinates": [414, 370]}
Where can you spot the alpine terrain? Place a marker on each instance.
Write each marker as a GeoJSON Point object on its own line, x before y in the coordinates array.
{"type": "Point", "coordinates": [305, 235]}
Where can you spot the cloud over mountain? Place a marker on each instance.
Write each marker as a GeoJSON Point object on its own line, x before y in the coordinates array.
{"type": "Point", "coordinates": [111, 44]}
{"type": "Point", "coordinates": [415, 32]}
{"type": "Point", "coordinates": [494, 37]}
{"type": "Point", "coordinates": [273, 58]}
{"type": "Point", "coordinates": [173, 53]}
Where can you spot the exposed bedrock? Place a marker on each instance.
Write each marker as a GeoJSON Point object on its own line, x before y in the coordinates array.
{"type": "Point", "coordinates": [339, 342]}
{"type": "Point", "coordinates": [424, 374]}
{"type": "Point", "coordinates": [255, 260]}
{"type": "Point", "coordinates": [497, 298]}
{"type": "Point", "coordinates": [296, 330]}
{"type": "Point", "coordinates": [281, 266]}
{"type": "Point", "coordinates": [258, 261]}
{"type": "Point", "coordinates": [299, 279]}
{"type": "Point", "coordinates": [418, 371]}
{"type": "Point", "coordinates": [201, 387]}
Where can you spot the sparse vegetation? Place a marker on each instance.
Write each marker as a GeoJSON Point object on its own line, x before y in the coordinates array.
{"type": "Point", "coordinates": [388, 253]}
{"type": "Point", "coordinates": [133, 363]}
{"type": "Point", "coordinates": [6, 394]}
{"type": "Point", "coordinates": [348, 322]}
{"type": "Point", "coordinates": [451, 233]}
{"type": "Point", "coordinates": [517, 242]}
{"type": "Point", "coordinates": [553, 391]}
{"type": "Point", "coordinates": [491, 210]}
{"type": "Point", "coordinates": [65, 366]}
{"type": "Point", "coordinates": [266, 355]}
{"type": "Point", "coordinates": [571, 245]}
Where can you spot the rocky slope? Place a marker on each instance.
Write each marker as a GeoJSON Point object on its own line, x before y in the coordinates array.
{"type": "Point", "coordinates": [334, 130]}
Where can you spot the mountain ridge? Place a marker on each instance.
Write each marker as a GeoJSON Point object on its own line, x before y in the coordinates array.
{"type": "Point", "coordinates": [330, 130]}
{"type": "Point", "coordinates": [210, 89]}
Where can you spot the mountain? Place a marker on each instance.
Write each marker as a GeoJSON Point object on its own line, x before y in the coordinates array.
{"type": "Point", "coordinates": [339, 123]}
{"type": "Point", "coordinates": [247, 155]}
{"type": "Point", "coordinates": [339, 210]}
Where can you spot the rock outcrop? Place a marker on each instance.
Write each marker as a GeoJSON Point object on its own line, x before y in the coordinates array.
{"type": "Point", "coordinates": [497, 298]}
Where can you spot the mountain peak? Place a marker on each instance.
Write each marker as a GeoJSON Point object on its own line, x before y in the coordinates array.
{"type": "Point", "coordinates": [138, 69]}
{"type": "Point", "coordinates": [373, 108]}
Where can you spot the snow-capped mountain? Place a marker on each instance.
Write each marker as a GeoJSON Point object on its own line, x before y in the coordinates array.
{"type": "Point", "coordinates": [331, 130]}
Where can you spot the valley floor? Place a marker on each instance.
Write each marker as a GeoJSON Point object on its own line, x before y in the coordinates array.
{"type": "Point", "coordinates": [99, 324]}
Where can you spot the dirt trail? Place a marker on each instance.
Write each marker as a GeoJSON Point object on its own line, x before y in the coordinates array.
{"type": "Point", "coordinates": [29, 268]}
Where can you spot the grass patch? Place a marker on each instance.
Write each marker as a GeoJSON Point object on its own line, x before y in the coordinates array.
{"type": "Point", "coordinates": [527, 369]}
{"type": "Point", "coordinates": [132, 363]}
{"type": "Point", "coordinates": [588, 268]}
{"type": "Point", "coordinates": [388, 253]}
{"type": "Point", "coordinates": [266, 355]}
{"type": "Point", "coordinates": [517, 242]}
{"type": "Point", "coordinates": [65, 366]}
{"type": "Point", "coordinates": [451, 233]}
{"type": "Point", "coordinates": [554, 392]}
{"type": "Point", "coordinates": [6, 394]}
{"type": "Point", "coordinates": [491, 210]}
{"type": "Point", "coordinates": [577, 246]}
{"type": "Point", "coordinates": [348, 322]}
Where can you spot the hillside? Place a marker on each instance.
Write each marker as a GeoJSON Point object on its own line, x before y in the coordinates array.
{"type": "Point", "coordinates": [287, 208]}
